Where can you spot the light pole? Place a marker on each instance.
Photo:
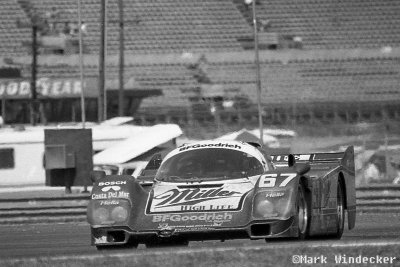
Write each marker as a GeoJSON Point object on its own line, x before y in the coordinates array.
{"type": "Point", "coordinates": [121, 59]}
{"type": "Point", "coordinates": [258, 78]}
{"type": "Point", "coordinates": [101, 100]}
{"type": "Point", "coordinates": [33, 74]}
{"type": "Point", "coordinates": [3, 109]}
{"type": "Point", "coordinates": [36, 24]}
{"type": "Point", "coordinates": [83, 112]}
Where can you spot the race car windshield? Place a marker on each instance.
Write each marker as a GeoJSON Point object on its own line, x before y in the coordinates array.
{"type": "Point", "coordinates": [210, 163]}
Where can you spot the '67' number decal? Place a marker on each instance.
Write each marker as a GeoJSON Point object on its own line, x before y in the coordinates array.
{"type": "Point", "coordinates": [269, 180]}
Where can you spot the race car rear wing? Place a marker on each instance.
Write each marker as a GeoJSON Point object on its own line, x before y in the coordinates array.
{"type": "Point", "coordinates": [345, 158]}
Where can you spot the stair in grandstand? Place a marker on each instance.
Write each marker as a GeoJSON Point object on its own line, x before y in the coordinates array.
{"type": "Point", "coordinates": [245, 10]}
{"type": "Point", "coordinates": [27, 7]}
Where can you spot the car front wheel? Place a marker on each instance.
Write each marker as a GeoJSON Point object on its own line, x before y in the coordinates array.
{"type": "Point", "coordinates": [302, 212]}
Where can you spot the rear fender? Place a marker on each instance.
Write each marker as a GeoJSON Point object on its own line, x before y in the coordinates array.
{"type": "Point", "coordinates": [348, 176]}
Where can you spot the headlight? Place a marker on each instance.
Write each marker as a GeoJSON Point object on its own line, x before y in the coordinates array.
{"type": "Point", "coordinates": [100, 215]}
{"type": "Point", "coordinates": [119, 214]}
{"type": "Point", "coordinates": [272, 203]}
{"type": "Point", "coordinates": [110, 211]}
{"type": "Point", "coordinates": [263, 208]}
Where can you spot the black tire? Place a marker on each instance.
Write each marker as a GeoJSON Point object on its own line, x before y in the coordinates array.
{"type": "Point", "coordinates": [303, 213]}
{"type": "Point", "coordinates": [340, 206]}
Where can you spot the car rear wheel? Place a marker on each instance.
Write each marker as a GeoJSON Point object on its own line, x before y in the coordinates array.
{"type": "Point", "coordinates": [340, 211]}
{"type": "Point", "coordinates": [302, 213]}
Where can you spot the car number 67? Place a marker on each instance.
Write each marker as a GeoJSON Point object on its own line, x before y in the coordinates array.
{"type": "Point", "coordinates": [269, 180]}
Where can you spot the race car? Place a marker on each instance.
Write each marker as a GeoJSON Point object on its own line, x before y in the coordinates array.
{"type": "Point", "coordinates": [220, 190]}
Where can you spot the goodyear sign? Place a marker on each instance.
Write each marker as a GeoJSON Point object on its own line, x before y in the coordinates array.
{"type": "Point", "coordinates": [45, 87]}
{"type": "Point", "coordinates": [55, 88]}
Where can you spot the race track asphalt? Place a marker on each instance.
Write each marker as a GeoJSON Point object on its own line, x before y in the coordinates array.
{"type": "Point", "coordinates": [68, 239]}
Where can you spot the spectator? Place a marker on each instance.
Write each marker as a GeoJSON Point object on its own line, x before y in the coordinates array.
{"type": "Point", "coordinates": [298, 42]}
{"type": "Point", "coordinates": [375, 169]}
{"type": "Point", "coordinates": [45, 29]}
{"type": "Point", "coordinates": [396, 166]}
{"type": "Point", "coordinates": [52, 16]}
{"type": "Point", "coordinates": [73, 29]}
{"type": "Point", "coordinates": [371, 173]}
{"type": "Point", "coordinates": [66, 30]}
{"type": "Point", "coordinates": [263, 25]}
{"type": "Point", "coordinates": [84, 28]}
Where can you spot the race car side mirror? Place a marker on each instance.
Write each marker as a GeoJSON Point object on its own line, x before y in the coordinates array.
{"type": "Point", "coordinates": [302, 168]}
{"type": "Point", "coordinates": [97, 175]}
{"type": "Point", "coordinates": [291, 160]}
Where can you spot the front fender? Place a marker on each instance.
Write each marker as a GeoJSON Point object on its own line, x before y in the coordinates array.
{"type": "Point", "coordinates": [275, 195]}
{"type": "Point", "coordinates": [110, 192]}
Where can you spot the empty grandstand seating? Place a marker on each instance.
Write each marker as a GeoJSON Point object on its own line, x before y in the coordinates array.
{"type": "Point", "coordinates": [213, 28]}
{"type": "Point", "coordinates": [12, 37]}
{"type": "Point", "coordinates": [314, 80]}
{"type": "Point", "coordinates": [334, 80]}
{"type": "Point", "coordinates": [159, 26]}
{"type": "Point", "coordinates": [171, 26]}
{"type": "Point", "coordinates": [332, 24]}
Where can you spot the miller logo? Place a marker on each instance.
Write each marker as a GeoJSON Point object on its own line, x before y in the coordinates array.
{"type": "Point", "coordinates": [176, 197]}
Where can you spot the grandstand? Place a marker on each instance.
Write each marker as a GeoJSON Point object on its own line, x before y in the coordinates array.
{"type": "Point", "coordinates": [347, 67]}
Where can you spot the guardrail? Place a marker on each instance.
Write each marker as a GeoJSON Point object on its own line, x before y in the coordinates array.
{"type": "Point", "coordinates": [380, 198]}
{"type": "Point", "coordinates": [44, 209]}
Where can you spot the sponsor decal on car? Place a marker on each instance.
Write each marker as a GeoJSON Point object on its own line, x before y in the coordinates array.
{"type": "Point", "coordinates": [164, 226]}
{"type": "Point", "coordinates": [209, 207]}
{"type": "Point", "coordinates": [275, 194]}
{"type": "Point", "coordinates": [303, 157]}
{"type": "Point", "coordinates": [220, 145]}
{"type": "Point", "coordinates": [192, 196]}
{"type": "Point", "coordinates": [269, 180]}
{"type": "Point", "coordinates": [210, 145]}
{"type": "Point", "coordinates": [109, 202]}
{"type": "Point", "coordinates": [113, 188]}
{"type": "Point", "coordinates": [187, 228]}
{"type": "Point", "coordinates": [108, 195]}
{"type": "Point", "coordinates": [194, 228]}
{"type": "Point", "coordinates": [205, 217]}
{"type": "Point", "coordinates": [175, 199]}
{"type": "Point", "coordinates": [112, 183]}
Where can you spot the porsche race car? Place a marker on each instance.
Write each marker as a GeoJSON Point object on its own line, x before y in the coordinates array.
{"type": "Point", "coordinates": [219, 190]}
